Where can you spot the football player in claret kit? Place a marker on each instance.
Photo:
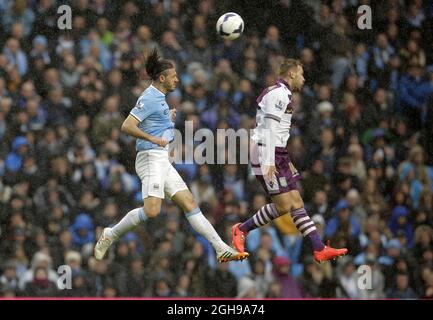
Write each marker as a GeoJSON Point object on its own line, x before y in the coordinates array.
{"type": "Point", "coordinates": [272, 165]}
{"type": "Point", "coordinates": [151, 122]}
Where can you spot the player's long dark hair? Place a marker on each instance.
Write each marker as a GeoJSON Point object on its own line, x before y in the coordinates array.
{"type": "Point", "coordinates": [155, 65]}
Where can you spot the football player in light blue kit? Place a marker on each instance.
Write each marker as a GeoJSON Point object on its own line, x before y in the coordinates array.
{"type": "Point", "coordinates": [151, 122]}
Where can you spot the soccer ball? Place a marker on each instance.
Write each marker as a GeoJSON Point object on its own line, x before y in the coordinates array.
{"type": "Point", "coordinates": [230, 25]}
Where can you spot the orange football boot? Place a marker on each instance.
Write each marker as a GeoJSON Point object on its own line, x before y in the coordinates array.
{"type": "Point", "coordinates": [328, 253]}
{"type": "Point", "coordinates": [238, 238]}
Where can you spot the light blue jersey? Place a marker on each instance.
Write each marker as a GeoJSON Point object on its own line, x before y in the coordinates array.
{"type": "Point", "coordinates": [153, 113]}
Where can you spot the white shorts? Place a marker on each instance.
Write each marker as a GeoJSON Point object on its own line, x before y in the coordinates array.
{"type": "Point", "coordinates": [157, 175]}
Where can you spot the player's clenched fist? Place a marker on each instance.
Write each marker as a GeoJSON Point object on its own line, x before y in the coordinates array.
{"type": "Point", "coordinates": [160, 141]}
{"type": "Point", "coordinates": [270, 172]}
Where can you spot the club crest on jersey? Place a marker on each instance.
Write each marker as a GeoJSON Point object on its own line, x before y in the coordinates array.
{"type": "Point", "coordinates": [279, 105]}
{"type": "Point", "coordinates": [166, 111]}
{"type": "Point", "coordinates": [283, 181]}
{"type": "Point", "coordinates": [155, 186]}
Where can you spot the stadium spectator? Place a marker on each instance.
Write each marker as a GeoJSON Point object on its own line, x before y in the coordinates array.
{"type": "Point", "coordinates": [348, 281]}
{"type": "Point", "coordinates": [40, 286]}
{"type": "Point", "coordinates": [315, 281]}
{"type": "Point", "coordinates": [9, 279]}
{"type": "Point", "coordinates": [401, 289]}
{"type": "Point", "coordinates": [290, 288]}
{"type": "Point", "coordinates": [223, 282]}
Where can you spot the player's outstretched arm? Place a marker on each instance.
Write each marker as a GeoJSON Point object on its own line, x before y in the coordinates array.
{"type": "Point", "coordinates": [130, 127]}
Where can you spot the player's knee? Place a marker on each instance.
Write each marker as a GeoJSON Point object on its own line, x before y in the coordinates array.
{"type": "Point", "coordinates": [186, 201]}
{"type": "Point", "coordinates": [297, 204]}
{"type": "Point", "coordinates": [296, 201]}
{"type": "Point", "coordinates": [293, 202]}
{"type": "Point", "coordinates": [283, 208]}
{"type": "Point", "coordinates": [189, 206]}
{"type": "Point", "coordinates": [152, 211]}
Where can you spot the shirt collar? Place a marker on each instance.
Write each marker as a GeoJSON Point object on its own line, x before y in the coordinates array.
{"type": "Point", "coordinates": [284, 82]}
{"type": "Point", "coordinates": [157, 89]}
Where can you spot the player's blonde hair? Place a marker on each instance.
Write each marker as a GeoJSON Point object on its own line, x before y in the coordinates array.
{"type": "Point", "coordinates": [287, 65]}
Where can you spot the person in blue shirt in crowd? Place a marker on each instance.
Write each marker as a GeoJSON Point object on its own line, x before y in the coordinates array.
{"type": "Point", "coordinates": [342, 214]}
{"type": "Point", "coordinates": [414, 91]}
{"type": "Point", "coordinates": [15, 159]}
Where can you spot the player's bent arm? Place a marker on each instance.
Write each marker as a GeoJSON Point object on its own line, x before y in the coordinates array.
{"type": "Point", "coordinates": [269, 149]}
{"type": "Point", "coordinates": [130, 127]}
{"type": "Point", "coordinates": [274, 107]}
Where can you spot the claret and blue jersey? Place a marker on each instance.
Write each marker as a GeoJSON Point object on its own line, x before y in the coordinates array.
{"type": "Point", "coordinates": [153, 113]}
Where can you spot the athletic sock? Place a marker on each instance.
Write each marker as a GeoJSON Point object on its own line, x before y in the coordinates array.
{"type": "Point", "coordinates": [200, 224]}
{"type": "Point", "coordinates": [266, 214]}
{"type": "Point", "coordinates": [129, 222]}
{"type": "Point", "coordinates": [307, 227]}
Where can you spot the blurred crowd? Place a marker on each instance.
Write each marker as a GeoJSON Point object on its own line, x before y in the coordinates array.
{"type": "Point", "coordinates": [362, 136]}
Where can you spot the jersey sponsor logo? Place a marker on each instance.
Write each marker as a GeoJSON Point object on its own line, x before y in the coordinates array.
{"type": "Point", "coordinates": [279, 105]}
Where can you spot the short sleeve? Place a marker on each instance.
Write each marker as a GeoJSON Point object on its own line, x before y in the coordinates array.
{"type": "Point", "coordinates": [141, 110]}
{"type": "Point", "coordinates": [275, 104]}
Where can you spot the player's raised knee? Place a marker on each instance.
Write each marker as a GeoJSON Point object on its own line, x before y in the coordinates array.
{"type": "Point", "coordinates": [297, 203]}
{"type": "Point", "coordinates": [283, 208]}
{"type": "Point", "coordinates": [185, 200]}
